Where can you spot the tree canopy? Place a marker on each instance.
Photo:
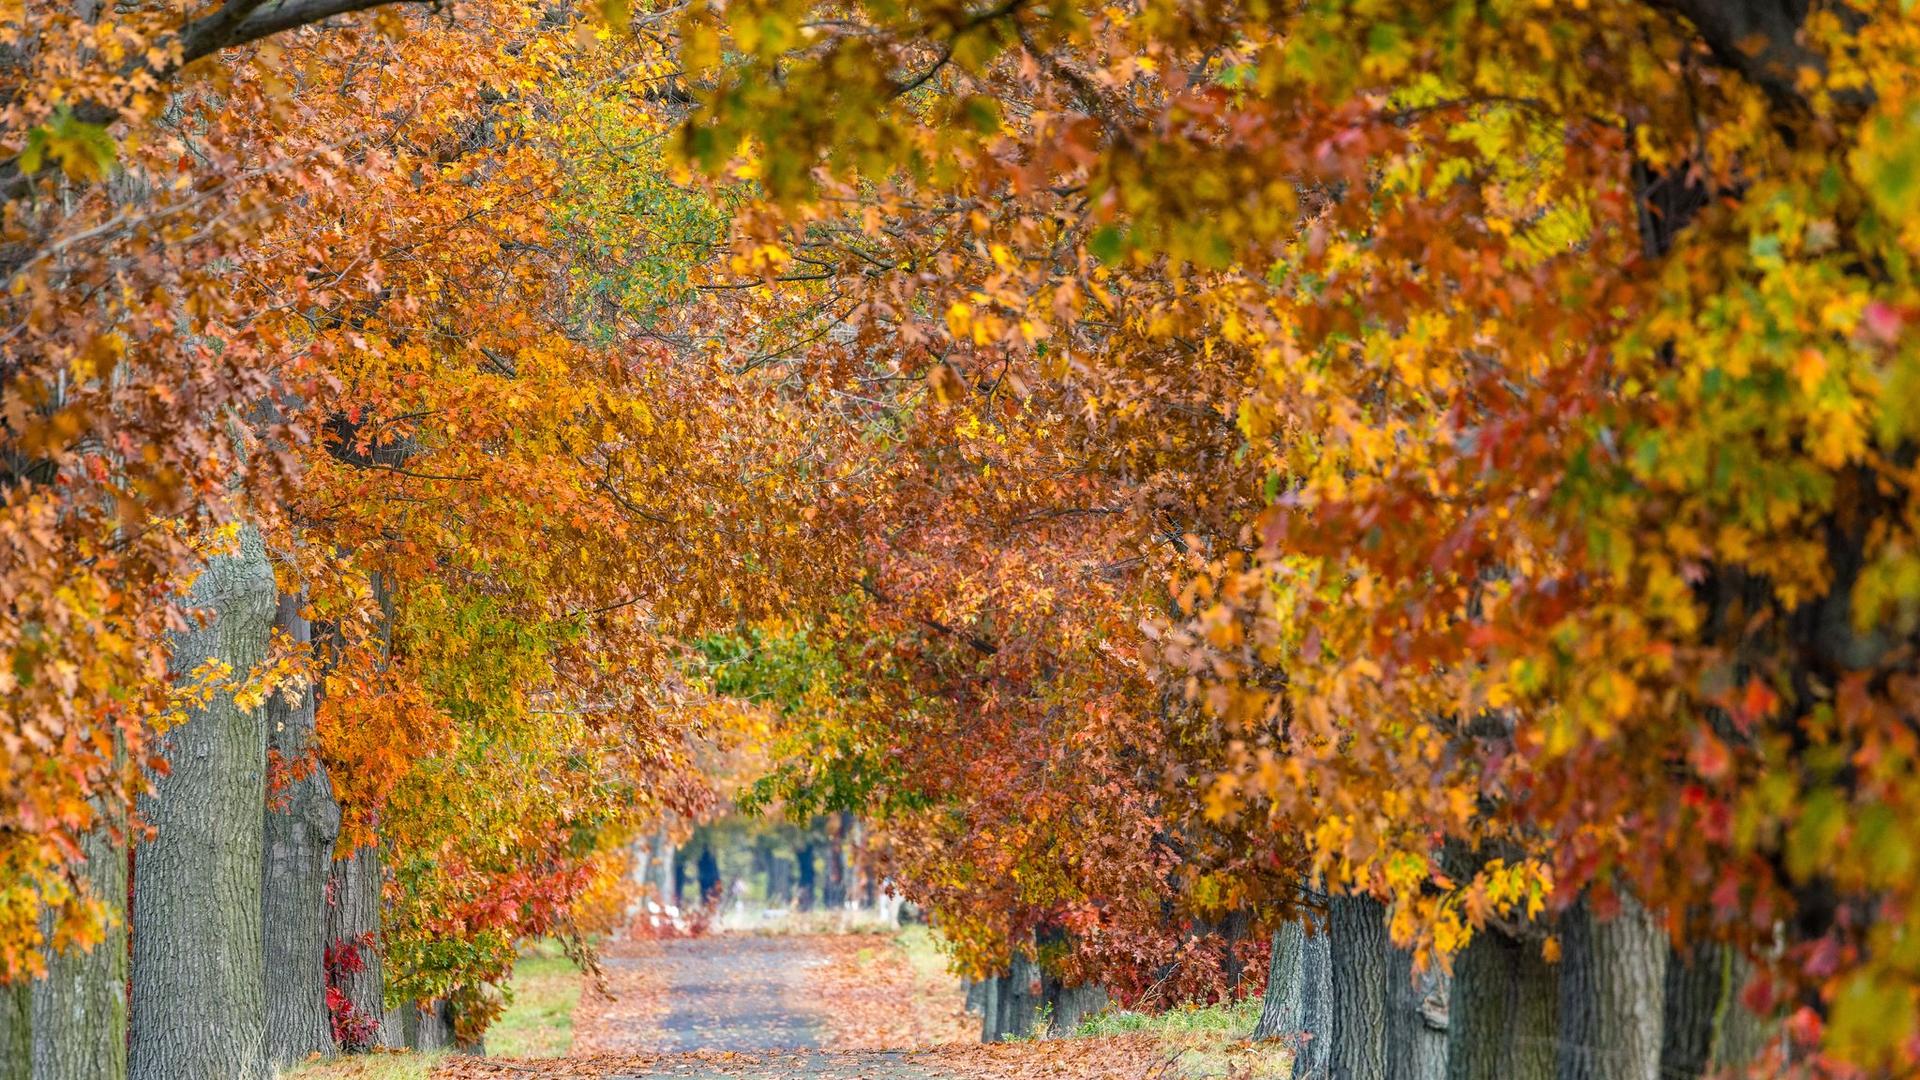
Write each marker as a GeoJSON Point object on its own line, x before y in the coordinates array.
{"type": "Point", "coordinates": [1161, 464]}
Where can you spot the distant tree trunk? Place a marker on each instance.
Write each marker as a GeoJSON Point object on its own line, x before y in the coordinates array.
{"type": "Point", "coordinates": [780, 881]}
{"type": "Point", "coordinates": [990, 990]}
{"type": "Point", "coordinates": [708, 875]}
{"type": "Point", "coordinates": [1417, 1020]}
{"type": "Point", "coordinates": [1612, 985]}
{"type": "Point", "coordinates": [302, 822]}
{"type": "Point", "coordinates": [1233, 932]}
{"type": "Point", "coordinates": [353, 921]}
{"type": "Point", "coordinates": [1503, 1011]}
{"type": "Point", "coordinates": [1361, 951]}
{"type": "Point", "coordinates": [803, 855]}
{"type": "Point", "coordinates": [198, 997]}
{"type": "Point", "coordinates": [80, 1006]}
{"type": "Point", "coordinates": [1298, 1006]}
{"type": "Point", "coordinates": [1706, 1027]}
{"type": "Point", "coordinates": [663, 850]}
{"type": "Point", "coordinates": [642, 863]}
{"type": "Point", "coordinates": [836, 886]}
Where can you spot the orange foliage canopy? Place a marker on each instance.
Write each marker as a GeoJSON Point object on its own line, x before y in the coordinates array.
{"type": "Point", "coordinates": [1568, 355]}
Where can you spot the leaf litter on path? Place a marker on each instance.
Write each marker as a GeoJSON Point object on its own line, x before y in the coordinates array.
{"type": "Point", "coordinates": [754, 1008]}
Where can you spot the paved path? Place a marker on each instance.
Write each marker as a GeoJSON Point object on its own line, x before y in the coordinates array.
{"type": "Point", "coordinates": [736, 992]}
{"type": "Point", "coordinates": [739, 1007]}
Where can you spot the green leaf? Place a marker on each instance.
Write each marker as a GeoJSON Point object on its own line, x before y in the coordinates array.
{"type": "Point", "coordinates": [84, 151]}
{"type": "Point", "coordinates": [1108, 243]}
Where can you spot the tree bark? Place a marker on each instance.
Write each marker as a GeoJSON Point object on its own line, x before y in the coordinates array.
{"type": "Point", "coordinates": [1361, 951]}
{"type": "Point", "coordinates": [663, 849]}
{"type": "Point", "coordinates": [835, 892]}
{"type": "Point", "coordinates": [198, 994]}
{"type": "Point", "coordinates": [1502, 1011]}
{"type": "Point", "coordinates": [1706, 1028]}
{"type": "Point", "coordinates": [1612, 986]}
{"type": "Point", "coordinates": [1074, 1005]}
{"type": "Point", "coordinates": [16, 1031]}
{"type": "Point", "coordinates": [1298, 1006]}
{"type": "Point", "coordinates": [353, 918]}
{"type": "Point", "coordinates": [803, 857]}
{"type": "Point", "coordinates": [990, 1009]}
{"type": "Point", "coordinates": [428, 1027]}
{"type": "Point", "coordinates": [1417, 1020]}
{"type": "Point", "coordinates": [80, 1007]}
{"type": "Point", "coordinates": [302, 822]}
{"type": "Point", "coordinates": [1021, 998]}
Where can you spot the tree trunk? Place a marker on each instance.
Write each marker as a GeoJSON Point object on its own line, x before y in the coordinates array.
{"type": "Point", "coordinates": [1416, 1021]}
{"type": "Point", "coordinates": [16, 1031]}
{"type": "Point", "coordinates": [835, 893]}
{"type": "Point", "coordinates": [1612, 986]}
{"type": "Point", "coordinates": [427, 1027]}
{"type": "Point", "coordinates": [1361, 951]}
{"type": "Point", "coordinates": [80, 1007]}
{"type": "Point", "coordinates": [1502, 1011]}
{"type": "Point", "coordinates": [976, 990]}
{"type": "Point", "coordinates": [198, 996]}
{"type": "Point", "coordinates": [1021, 998]}
{"type": "Point", "coordinates": [1074, 1005]}
{"type": "Point", "coordinates": [663, 850]}
{"type": "Point", "coordinates": [1298, 1006]}
{"type": "Point", "coordinates": [990, 989]}
{"type": "Point", "coordinates": [780, 882]}
{"type": "Point", "coordinates": [1233, 931]}
{"type": "Point", "coordinates": [803, 856]}
{"type": "Point", "coordinates": [353, 922]}
{"type": "Point", "coordinates": [1706, 1028]}
{"type": "Point", "coordinates": [302, 822]}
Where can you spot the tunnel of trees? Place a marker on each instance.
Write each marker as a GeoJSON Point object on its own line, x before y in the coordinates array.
{"type": "Point", "coordinates": [1404, 509]}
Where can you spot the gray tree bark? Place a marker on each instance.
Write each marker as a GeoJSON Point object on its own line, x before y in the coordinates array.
{"type": "Point", "coordinates": [663, 849]}
{"type": "Point", "coordinates": [426, 1027]}
{"type": "Point", "coordinates": [1298, 1005]}
{"type": "Point", "coordinates": [1074, 1005]}
{"type": "Point", "coordinates": [198, 999]}
{"type": "Point", "coordinates": [353, 916]}
{"type": "Point", "coordinates": [1361, 951]}
{"type": "Point", "coordinates": [302, 823]}
{"type": "Point", "coordinates": [1503, 1011]}
{"type": "Point", "coordinates": [1706, 1028]}
{"type": "Point", "coordinates": [1416, 1021]}
{"type": "Point", "coordinates": [80, 1007]}
{"type": "Point", "coordinates": [1612, 990]}
{"type": "Point", "coordinates": [16, 1031]}
{"type": "Point", "coordinates": [1020, 1000]}
{"type": "Point", "coordinates": [990, 989]}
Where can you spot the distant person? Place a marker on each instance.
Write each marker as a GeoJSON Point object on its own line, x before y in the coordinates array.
{"type": "Point", "coordinates": [709, 872]}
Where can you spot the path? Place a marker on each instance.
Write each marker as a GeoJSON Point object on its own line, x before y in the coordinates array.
{"type": "Point", "coordinates": [743, 1007]}
{"type": "Point", "coordinates": [735, 992]}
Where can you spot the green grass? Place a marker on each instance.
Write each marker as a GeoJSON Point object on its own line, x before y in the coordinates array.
{"type": "Point", "coordinates": [404, 1066]}
{"type": "Point", "coordinates": [1205, 1042]}
{"type": "Point", "coordinates": [922, 947]}
{"type": "Point", "coordinates": [538, 1023]}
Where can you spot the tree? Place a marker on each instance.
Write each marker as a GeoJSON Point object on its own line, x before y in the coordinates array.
{"type": "Point", "coordinates": [197, 998]}
{"type": "Point", "coordinates": [1560, 480]}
